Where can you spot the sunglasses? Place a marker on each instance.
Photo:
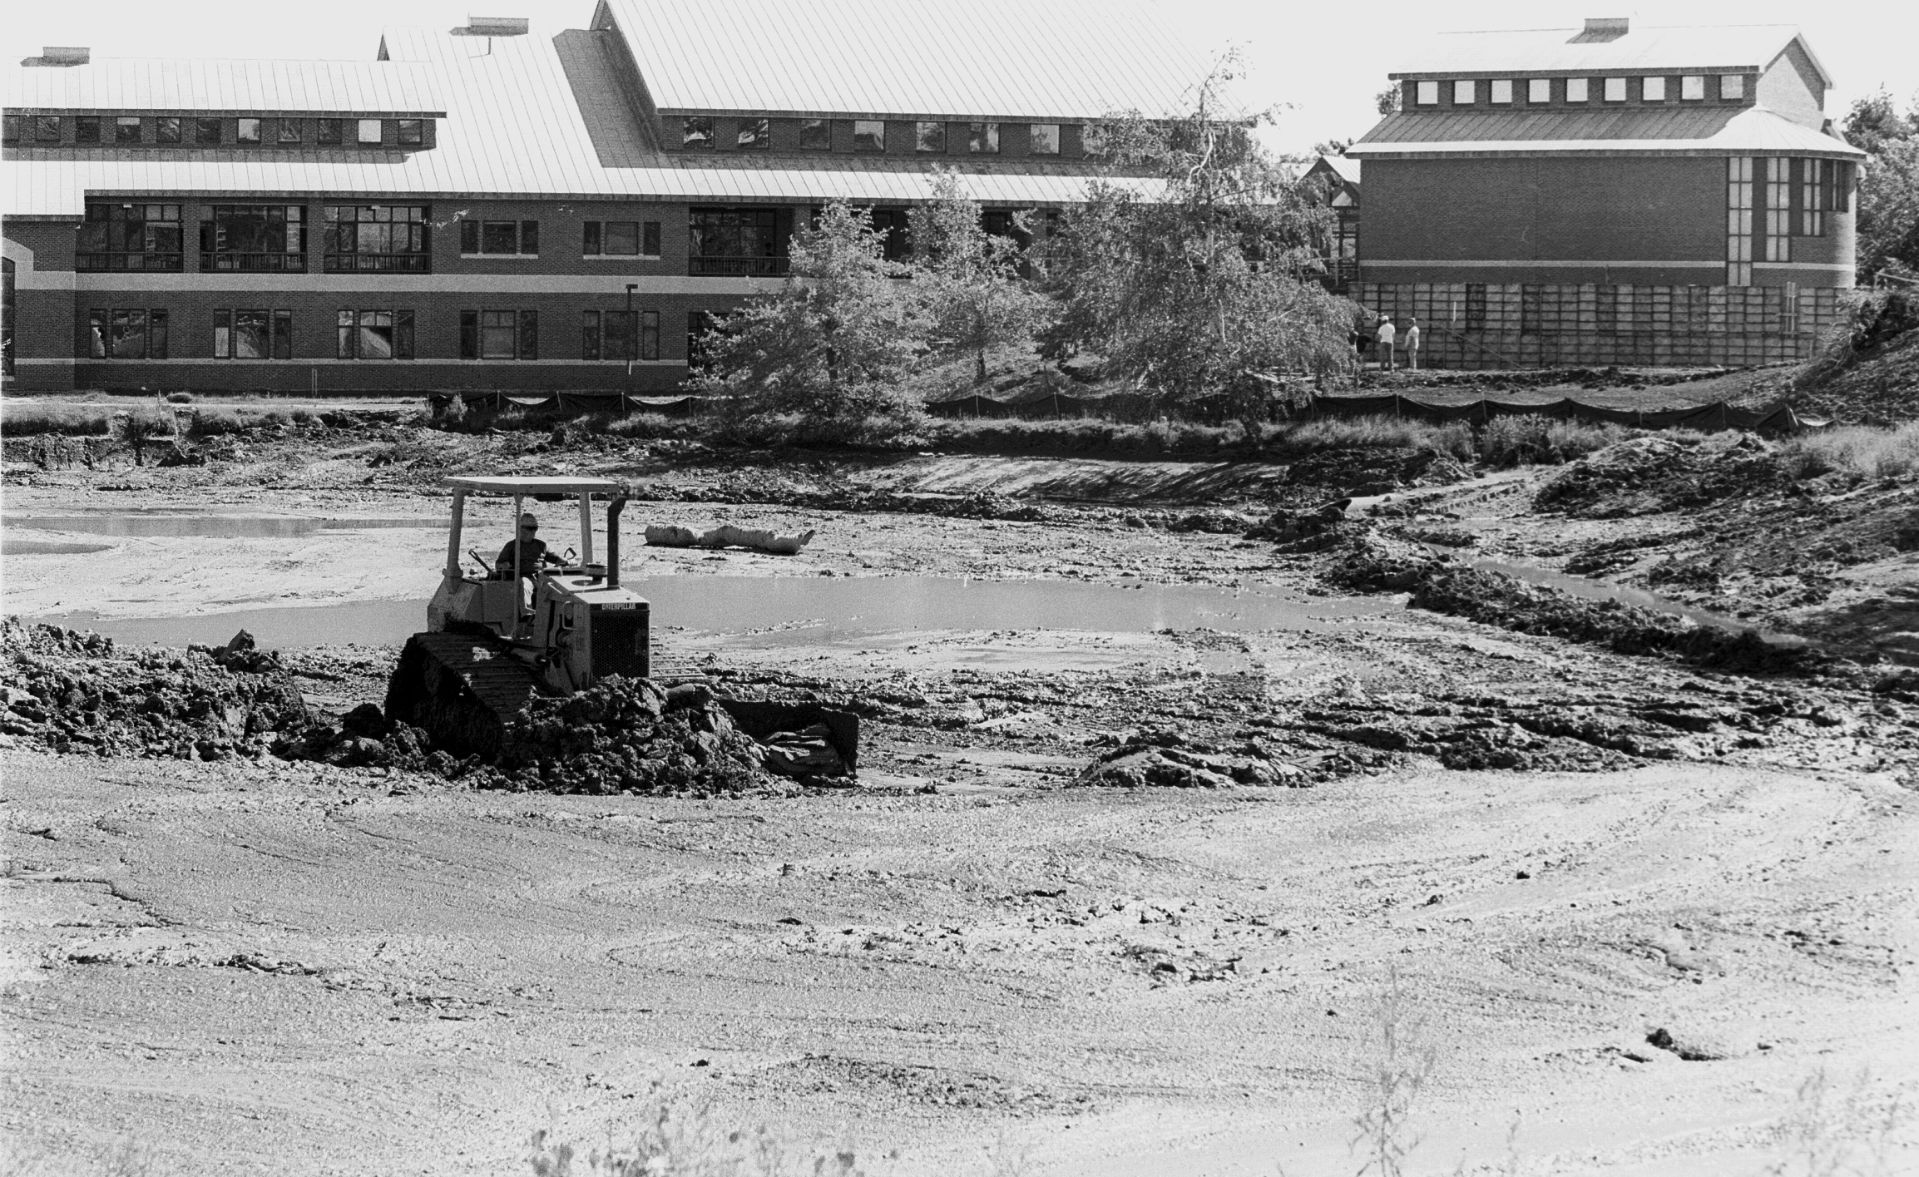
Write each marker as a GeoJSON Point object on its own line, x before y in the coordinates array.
{"type": "Point", "coordinates": [529, 527]}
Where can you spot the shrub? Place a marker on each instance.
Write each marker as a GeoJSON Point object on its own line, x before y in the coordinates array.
{"type": "Point", "coordinates": [25, 419]}
{"type": "Point", "coordinates": [1515, 441]}
{"type": "Point", "coordinates": [214, 422]}
{"type": "Point", "coordinates": [1856, 449]}
{"type": "Point", "coordinates": [179, 398]}
{"type": "Point", "coordinates": [141, 428]}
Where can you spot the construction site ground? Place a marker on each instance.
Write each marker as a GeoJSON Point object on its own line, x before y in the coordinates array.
{"type": "Point", "coordinates": [1672, 931]}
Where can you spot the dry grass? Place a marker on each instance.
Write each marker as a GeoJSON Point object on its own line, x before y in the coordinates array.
{"type": "Point", "coordinates": [27, 419]}
{"type": "Point", "coordinates": [1857, 449]}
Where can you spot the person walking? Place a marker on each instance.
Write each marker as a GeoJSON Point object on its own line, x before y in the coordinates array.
{"type": "Point", "coordinates": [1412, 345]}
{"type": "Point", "coordinates": [1386, 336]}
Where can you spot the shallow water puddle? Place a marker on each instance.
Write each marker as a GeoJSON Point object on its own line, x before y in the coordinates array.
{"type": "Point", "coordinates": [162, 521]}
{"type": "Point", "coordinates": [774, 612]}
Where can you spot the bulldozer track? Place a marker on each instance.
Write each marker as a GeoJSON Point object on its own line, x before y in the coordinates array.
{"type": "Point", "coordinates": [463, 689]}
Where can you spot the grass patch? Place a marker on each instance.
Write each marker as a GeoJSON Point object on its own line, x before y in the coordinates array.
{"type": "Point", "coordinates": [26, 419]}
{"type": "Point", "coordinates": [1859, 450]}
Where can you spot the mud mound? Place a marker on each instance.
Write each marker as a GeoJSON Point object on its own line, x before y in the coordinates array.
{"type": "Point", "coordinates": [1646, 475]}
{"type": "Point", "coordinates": [77, 692]}
{"type": "Point", "coordinates": [628, 736]}
{"type": "Point", "coordinates": [1168, 760]}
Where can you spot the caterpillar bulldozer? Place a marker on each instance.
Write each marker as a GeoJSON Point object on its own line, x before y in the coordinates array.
{"type": "Point", "coordinates": [490, 645]}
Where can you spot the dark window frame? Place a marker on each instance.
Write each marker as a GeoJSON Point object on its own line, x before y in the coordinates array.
{"type": "Point", "coordinates": [351, 325]}
{"type": "Point", "coordinates": [596, 239]}
{"type": "Point", "coordinates": [347, 229]}
{"type": "Point", "coordinates": [933, 145]}
{"type": "Point", "coordinates": [259, 126]}
{"type": "Point", "coordinates": [410, 132]}
{"type": "Point", "coordinates": [104, 325]}
{"type": "Point", "coordinates": [477, 233]}
{"type": "Point", "coordinates": [289, 132]}
{"type": "Point", "coordinates": [816, 135]}
{"type": "Point", "coordinates": [86, 128]}
{"type": "Point", "coordinates": [754, 134]}
{"type": "Point", "coordinates": [208, 132]}
{"type": "Point", "coordinates": [106, 239]}
{"type": "Point", "coordinates": [128, 122]}
{"type": "Point", "coordinates": [698, 133]}
{"type": "Point", "coordinates": [219, 223]}
{"type": "Point", "coordinates": [330, 133]}
{"type": "Point", "coordinates": [169, 128]}
{"type": "Point", "coordinates": [873, 139]}
{"type": "Point", "coordinates": [479, 327]}
{"type": "Point", "coordinates": [277, 332]}
{"type": "Point", "coordinates": [47, 128]}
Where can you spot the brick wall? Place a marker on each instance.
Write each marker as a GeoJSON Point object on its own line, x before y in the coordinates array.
{"type": "Point", "coordinates": [1498, 326]}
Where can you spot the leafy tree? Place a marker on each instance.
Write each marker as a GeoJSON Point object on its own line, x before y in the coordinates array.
{"type": "Point", "coordinates": [1888, 208]}
{"type": "Point", "coordinates": [1388, 100]}
{"type": "Point", "coordinates": [970, 279]}
{"type": "Point", "coordinates": [1199, 274]}
{"type": "Point", "coordinates": [834, 341]}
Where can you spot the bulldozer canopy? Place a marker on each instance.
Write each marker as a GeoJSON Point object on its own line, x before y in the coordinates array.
{"type": "Point", "coordinates": [534, 485]}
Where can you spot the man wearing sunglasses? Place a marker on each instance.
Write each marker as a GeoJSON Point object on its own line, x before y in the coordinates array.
{"type": "Point", "coordinates": [531, 550]}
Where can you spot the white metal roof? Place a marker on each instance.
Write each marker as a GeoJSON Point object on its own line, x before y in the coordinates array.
{"type": "Point", "coordinates": [527, 116]}
{"type": "Point", "coordinates": [980, 59]}
{"type": "Point", "coordinates": [1566, 50]}
{"type": "Point", "coordinates": [1752, 130]}
{"type": "Point", "coordinates": [243, 87]}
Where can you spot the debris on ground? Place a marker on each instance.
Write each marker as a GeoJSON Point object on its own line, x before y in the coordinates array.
{"type": "Point", "coordinates": [1162, 759]}
{"type": "Point", "coordinates": [78, 692]}
{"type": "Point", "coordinates": [757, 539]}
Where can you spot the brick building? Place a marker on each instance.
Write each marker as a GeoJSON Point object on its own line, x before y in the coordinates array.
{"type": "Point", "coordinates": [1611, 194]}
{"type": "Point", "coordinates": [491, 207]}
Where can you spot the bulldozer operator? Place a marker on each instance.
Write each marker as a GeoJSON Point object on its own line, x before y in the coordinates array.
{"type": "Point", "coordinates": [530, 550]}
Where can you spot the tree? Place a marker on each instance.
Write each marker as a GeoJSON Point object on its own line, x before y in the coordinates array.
{"type": "Point", "coordinates": [834, 341]}
{"type": "Point", "coordinates": [969, 279]}
{"type": "Point", "coordinates": [1205, 278]}
{"type": "Point", "coordinates": [1388, 100]}
{"type": "Point", "coordinates": [1888, 208]}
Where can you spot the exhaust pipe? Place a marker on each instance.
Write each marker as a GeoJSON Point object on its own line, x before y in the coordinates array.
{"type": "Point", "coordinates": [613, 541]}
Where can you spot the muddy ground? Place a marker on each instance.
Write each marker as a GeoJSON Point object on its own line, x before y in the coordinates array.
{"type": "Point", "coordinates": [1635, 900]}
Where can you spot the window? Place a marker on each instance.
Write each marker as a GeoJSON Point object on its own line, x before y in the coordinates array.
{"type": "Point", "coordinates": [253, 237]}
{"type": "Point", "coordinates": [1692, 87]}
{"type": "Point", "coordinates": [1778, 197]}
{"type": "Point", "coordinates": [1093, 138]}
{"type": "Point", "coordinates": [499, 335]}
{"type": "Point", "coordinates": [1732, 86]}
{"type": "Point", "coordinates": [982, 138]}
{"type": "Point", "coordinates": [1739, 222]}
{"type": "Point", "coordinates": [127, 335]}
{"type": "Point", "coordinates": [1539, 90]}
{"type": "Point", "coordinates": [248, 131]}
{"type": "Point", "coordinates": [1815, 196]}
{"type": "Point", "coordinates": [375, 239]}
{"type": "Point", "coordinates": [126, 129]}
{"type": "Point", "coordinates": [1652, 89]}
{"type": "Point", "coordinates": [411, 133]}
{"type": "Point", "coordinates": [736, 243]}
{"type": "Point", "coordinates": [375, 335]}
{"type": "Point", "coordinates": [1043, 139]}
{"type": "Point", "coordinates": [166, 129]}
{"type": "Point", "coordinates": [1464, 92]}
{"type": "Point", "coordinates": [206, 132]}
{"type": "Point", "coordinates": [621, 239]}
{"type": "Point", "coordinates": [696, 132]}
{"type": "Point", "coordinates": [816, 135]}
{"type": "Point", "coordinates": [929, 137]}
{"type": "Point", "coordinates": [1576, 89]}
{"type": "Point", "coordinates": [252, 335]}
{"type": "Point", "coordinates": [86, 128]}
{"type": "Point", "coordinates": [369, 133]}
{"type": "Point", "coordinates": [620, 335]}
{"type": "Point", "coordinates": [1615, 89]}
{"type": "Point", "coordinates": [329, 133]}
{"type": "Point", "coordinates": [289, 131]}
{"type": "Point", "coordinates": [699, 325]}
{"type": "Point", "coordinates": [869, 135]}
{"type": "Point", "coordinates": [508, 238]}
{"type": "Point", "coordinates": [46, 128]}
{"type": "Point", "coordinates": [1502, 91]}
{"type": "Point", "coordinates": [9, 128]}
{"type": "Point", "coordinates": [129, 237]}
{"type": "Point", "coordinates": [755, 135]}
{"type": "Point", "coordinates": [1426, 93]}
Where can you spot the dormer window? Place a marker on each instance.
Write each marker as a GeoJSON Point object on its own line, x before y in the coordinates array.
{"type": "Point", "coordinates": [816, 135]}
{"type": "Point", "coordinates": [331, 133]}
{"type": "Point", "coordinates": [369, 133]}
{"type": "Point", "coordinates": [248, 132]}
{"type": "Point", "coordinates": [754, 135]}
{"type": "Point", "coordinates": [126, 129]}
{"type": "Point", "coordinates": [1576, 90]}
{"type": "Point", "coordinates": [411, 132]}
{"type": "Point", "coordinates": [1692, 87]}
{"type": "Point", "coordinates": [206, 132]}
{"type": "Point", "coordinates": [1502, 91]}
{"type": "Point", "coordinates": [1732, 86]}
{"type": "Point", "coordinates": [1615, 89]}
{"type": "Point", "coordinates": [1539, 90]}
{"type": "Point", "coordinates": [1652, 89]}
{"type": "Point", "coordinates": [696, 132]}
{"type": "Point", "coordinates": [1426, 93]}
{"type": "Point", "coordinates": [1464, 92]}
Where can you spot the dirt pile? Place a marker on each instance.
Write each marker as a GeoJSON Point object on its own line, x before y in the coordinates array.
{"type": "Point", "coordinates": [77, 692]}
{"type": "Point", "coordinates": [1872, 376]}
{"type": "Point", "coordinates": [1167, 759]}
{"type": "Point", "coordinates": [1647, 475]}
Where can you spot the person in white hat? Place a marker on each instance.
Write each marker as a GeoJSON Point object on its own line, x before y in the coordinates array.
{"type": "Point", "coordinates": [1386, 336]}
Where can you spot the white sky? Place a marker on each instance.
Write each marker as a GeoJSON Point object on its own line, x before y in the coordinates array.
{"type": "Point", "coordinates": [1326, 59]}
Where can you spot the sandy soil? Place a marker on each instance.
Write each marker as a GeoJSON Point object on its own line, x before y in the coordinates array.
{"type": "Point", "coordinates": [300, 969]}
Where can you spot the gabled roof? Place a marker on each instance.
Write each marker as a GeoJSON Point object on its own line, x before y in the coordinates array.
{"type": "Point", "coordinates": [1346, 169]}
{"type": "Point", "coordinates": [975, 59]}
{"type": "Point", "coordinates": [1675, 49]}
{"type": "Point", "coordinates": [1694, 131]}
{"type": "Point", "coordinates": [534, 115]}
{"type": "Point", "coordinates": [242, 87]}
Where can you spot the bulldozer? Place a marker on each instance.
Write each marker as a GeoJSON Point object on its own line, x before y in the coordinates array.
{"type": "Point", "coordinates": [490, 646]}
